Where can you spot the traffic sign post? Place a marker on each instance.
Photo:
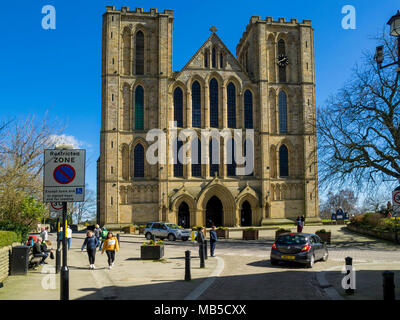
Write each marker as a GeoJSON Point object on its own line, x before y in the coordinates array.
{"type": "Point", "coordinates": [63, 182]}
{"type": "Point", "coordinates": [396, 202]}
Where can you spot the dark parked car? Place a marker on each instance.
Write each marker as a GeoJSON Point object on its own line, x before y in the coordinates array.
{"type": "Point", "coordinates": [304, 248]}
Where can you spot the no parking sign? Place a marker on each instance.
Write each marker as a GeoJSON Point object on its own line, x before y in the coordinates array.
{"type": "Point", "coordinates": [396, 201]}
{"type": "Point", "coordinates": [64, 175]}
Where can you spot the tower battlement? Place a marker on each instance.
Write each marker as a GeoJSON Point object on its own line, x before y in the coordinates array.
{"type": "Point", "coordinates": [139, 11]}
{"type": "Point", "coordinates": [281, 22]}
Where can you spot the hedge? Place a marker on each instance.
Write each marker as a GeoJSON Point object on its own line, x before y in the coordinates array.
{"type": "Point", "coordinates": [8, 237]}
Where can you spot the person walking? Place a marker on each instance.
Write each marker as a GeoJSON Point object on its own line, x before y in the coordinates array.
{"type": "Point", "coordinates": [200, 238]}
{"type": "Point", "coordinates": [104, 233]}
{"type": "Point", "coordinates": [44, 234]}
{"type": "Point", "coordinates": [303, 222]}
{"type": "Point", "coordinates": [110, 246]}
{"type": "Point", "coordinates": [298, 222]}
{"type": "Point", "coordinates": [97, 233]}
{"type": "Point", "coordinates": [213, 240]}
{"type": "Point", "coordinates": [69, 236]}
{"type": "Point", "coordinates": [91, 244]}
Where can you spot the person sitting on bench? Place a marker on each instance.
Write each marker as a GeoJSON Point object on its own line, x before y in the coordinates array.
{"type": "Point", "coordinates": [38, 252]}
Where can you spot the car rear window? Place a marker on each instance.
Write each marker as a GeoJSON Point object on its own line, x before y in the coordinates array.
{"type": "Point", "coordinates": [291, 239]}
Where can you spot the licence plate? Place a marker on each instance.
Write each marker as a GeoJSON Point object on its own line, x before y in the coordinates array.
{"type": "Point", "coordinates": [288, 257]}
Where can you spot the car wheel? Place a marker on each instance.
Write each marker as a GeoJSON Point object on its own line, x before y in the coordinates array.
{"type": "Point", "coordinates": [325, 257]}
{"type": "Point", "coordinates": [311, 263]}
{"type": "Point", "coordinates": [185, 239]}
{"type": "Point", "coordinates": [171, 237]}
{"type": "Point", "coordinates": [148, 236]}
{"type": "Point", "coordinates": [274, 262]}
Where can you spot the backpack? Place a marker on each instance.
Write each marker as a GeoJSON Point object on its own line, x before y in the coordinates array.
{"type": "Point", "coordinates": [104, 233]}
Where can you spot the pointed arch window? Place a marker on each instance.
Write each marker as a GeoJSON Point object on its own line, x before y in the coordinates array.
{"type": "Point", "coordinates": [178, 166]}
{"type": "Point", "coordinates": [283, 112]}
{"type": "Point", "coordinates": [138, 152]}
{"type": "Point", "coordinates": [213, 58]}
{"type": "Point", "coordinates": [283, 161]}
{"type": "Point", "coordinates": [196, 105]}
{"type": "Point", "coordinates": [248, 110]}
{"type": "Point", "coordinates": [139, 108]}
{"type": "Point", "coordinates": [221, 60]}
{"type": "Point", "coordinates": [139, 40]}
{"type": "Point", "coordinates": [214, 157]}
{"type": "Point", "coordinates": [206, 58]}
{"type": "Point", "coordinates": [196, 157]}
{"type": "Point", "coordinates": [178, 107]}
{"type": "Point", "coordinates": [213, 103]}
{"type": "Point", "coordinates": [231, 100]}
{"type": "Point", "coordinates": [231, 163]}
{"type": "Point", "coordinates": [250, 159]}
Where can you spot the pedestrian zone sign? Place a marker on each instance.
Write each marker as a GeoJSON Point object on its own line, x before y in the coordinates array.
{"type": "Point", "coordinates": [64, 175]}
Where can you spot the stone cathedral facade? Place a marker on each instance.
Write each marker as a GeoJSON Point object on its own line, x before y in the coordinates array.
{"type": "Point", "coordinates": [268, 87]}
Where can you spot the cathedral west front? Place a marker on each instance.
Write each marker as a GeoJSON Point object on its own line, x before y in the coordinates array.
{"type": "Point", "coordinates": [268, 88]}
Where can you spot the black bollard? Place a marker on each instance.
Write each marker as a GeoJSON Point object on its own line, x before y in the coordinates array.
{"type": "Point", "coordinates": [187, 266]}
{"type": "Point", "coordinates": [118, 238]}
{"type": "Point", "coordinates": [388, 285]}
{"type": "Point", "coordinates": [349, 262]}
{"type": "Point", "coordinates": [205, 250]}
{"type": "Point", "coordinates": [153, 237]}
{"type": "Point", "coordinates": [201, 253]}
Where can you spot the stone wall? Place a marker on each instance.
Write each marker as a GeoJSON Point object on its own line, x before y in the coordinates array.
{"type": "Point", "coordinates": [4, 262]}
{"type": "Point", "coordinates": [385, 235]}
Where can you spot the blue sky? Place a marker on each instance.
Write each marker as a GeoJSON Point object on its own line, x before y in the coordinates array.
{"type": "Point", "coordinates": [59, 70]}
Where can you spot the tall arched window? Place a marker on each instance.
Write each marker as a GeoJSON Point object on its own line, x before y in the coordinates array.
{"type": "Point", "coordinates": [139, 108]}
{"type": "Point", "coordinates": [206, 52]}
{"type": "Point", "coordinates": [213, 103]}
{"type": "Point", "coordinates": [139, 50]}
{"type": "Point", "coordinates": [196, 158]}
{"type": "Point", "coordinates": [178, 107]}
{"type": "Point", "coordinates": [214, 157]}
{"type": "Point", "coordinates": [196, 105]}
{"type": "Point", "coordinates": [178, 166]}
{"type": "Point", "coordinates": [221, 60]}
{"type": "Point", "coordinates": [138, 152]}
{"type": "Point", "coordinates": [250, 159]}
{"type": "Point", "coordinates": [283, 112]}
{"type": "Point", "coordinates": [231, 163]}
{"type": "Point", "coordinates": [213, 58]}
{"type": "Point", "coordinates": [248, 110]}
{"type": "Point", "coordinates": [282, 51]}
{"type": "Point", "coordinates": [283, 161]}
{"type": "Point", "coordinates": [231, 100]}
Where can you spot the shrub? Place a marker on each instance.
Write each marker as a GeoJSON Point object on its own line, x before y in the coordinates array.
{"type": "Point", "coordinates": [283, 230]}
{"type": "Point", "coordinates": [7, 238]}
{"type": "Point", "coordinates": [322, 231]}
{"type": "Point", "coordinates": [250, 229]}
{"type": "Point", "coordinates": [152, 243]}
{"type": "Point", "coordinates": [21, 230]}
{"type": "Point", "coordinates": [222, 228]}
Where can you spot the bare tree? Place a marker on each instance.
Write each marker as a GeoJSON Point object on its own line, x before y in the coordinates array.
{"type": "Point", "coordinates": [22, 144]}
{"type": "Point", "coordinates": [358, 129]}
{"type": "Point", "coordinates": [344, 199]}
{"type": "Point", "coordinates": [86, 210]}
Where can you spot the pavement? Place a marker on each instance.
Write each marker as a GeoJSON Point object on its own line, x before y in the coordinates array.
{"type": "Point", "coordinates": [241, 271]}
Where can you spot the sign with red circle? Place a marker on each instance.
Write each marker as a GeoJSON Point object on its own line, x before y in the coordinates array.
{"type": "Point", "coordinates": [64, 174]}
{"type": "Point", "coordinates": [56, 205]}
{"type": "Point", "coordinates": [396, 197]}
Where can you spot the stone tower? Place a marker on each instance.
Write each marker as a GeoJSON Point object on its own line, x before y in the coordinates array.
{"type": "Point", "coordinates": [269, 87]}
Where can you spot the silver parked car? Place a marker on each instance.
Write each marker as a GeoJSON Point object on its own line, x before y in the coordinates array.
{"type": "Point", "coordinates": [164, 230]}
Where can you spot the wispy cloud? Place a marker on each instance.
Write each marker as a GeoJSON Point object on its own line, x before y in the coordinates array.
{"type": "Point", "coordinates": [66, 139]}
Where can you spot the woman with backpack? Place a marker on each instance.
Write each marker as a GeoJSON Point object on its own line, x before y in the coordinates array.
{"type": "Point", "coordinates": [110, 246]}
{"type": "Point", "coordinates": [90, 243]}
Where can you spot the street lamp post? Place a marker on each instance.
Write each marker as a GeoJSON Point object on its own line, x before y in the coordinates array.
{"type": "Point", "coordinates": [394, 24]}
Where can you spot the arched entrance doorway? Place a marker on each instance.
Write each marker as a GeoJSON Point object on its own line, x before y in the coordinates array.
{"type": "Point", "coordinates": [184, 215]}
{"type": "Point", "coordinates": [245, 216]}
{"type": "Point", "coordinates": [214, 212]}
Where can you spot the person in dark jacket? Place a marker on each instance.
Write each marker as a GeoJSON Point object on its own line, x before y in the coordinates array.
{"type": "Point", "coordinates": [90, 243]}
{"type": "Point", "coordinates": [213, 240]}
{"type": "Point", "coordinates": [200, 237]}
{"type": "Point", "coordinates": [97, 233]}
{"type": "Point", "coordinates": [38, 252]}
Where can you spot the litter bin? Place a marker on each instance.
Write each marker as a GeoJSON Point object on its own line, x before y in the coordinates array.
{"type": "Point", "coordinates": [19, 260]}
